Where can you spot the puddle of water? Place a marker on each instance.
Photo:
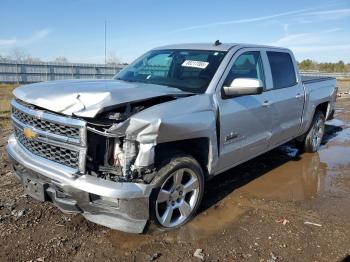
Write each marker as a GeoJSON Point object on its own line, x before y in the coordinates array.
{"type": "Point", "coordinates": [293, 181]}
{"type": "Point", "coordinates": [335, 156]}
{"type": "Point", "coordinates": [302, 178]}
{"type": "Point", "coordinates": [335, 122]}
{"type": "Point", "coordinates": [297, 179]}
{"type": "Point", "coordinates": [216, 218]}
{"type": "Point", "coordinates": [342, 136]}
{"type": "Point", "coordinates": [337, 184]}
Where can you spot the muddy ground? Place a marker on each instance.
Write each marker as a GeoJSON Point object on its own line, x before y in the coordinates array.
{"type": "Point", "coordinates": [281, 206]}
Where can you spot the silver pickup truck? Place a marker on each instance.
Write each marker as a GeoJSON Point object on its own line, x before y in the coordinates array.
{"type": "Point", "coordinates": [141, 146]}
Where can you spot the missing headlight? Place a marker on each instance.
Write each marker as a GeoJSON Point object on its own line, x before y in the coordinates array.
{"type": "Point", "coordinates": [125, 152]}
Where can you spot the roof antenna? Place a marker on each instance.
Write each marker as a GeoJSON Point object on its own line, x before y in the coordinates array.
{"type": "Point", "coordinates": [217, 42]}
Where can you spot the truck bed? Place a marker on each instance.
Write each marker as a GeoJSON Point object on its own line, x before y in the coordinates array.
{"type": "Point", "coordinates": [306, 79]}
{"type": "Point", "coordinates": [318, 90]}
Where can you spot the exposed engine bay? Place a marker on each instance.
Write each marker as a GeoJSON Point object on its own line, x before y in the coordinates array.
{"type": "Point", "coordinates": [112, 156]}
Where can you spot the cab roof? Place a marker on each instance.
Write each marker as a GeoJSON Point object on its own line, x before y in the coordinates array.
{"type": "Point", "coordinates": [213, 47]}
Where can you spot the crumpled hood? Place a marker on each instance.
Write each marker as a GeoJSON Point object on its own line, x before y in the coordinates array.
{"type": "Point", "coordinates": [87, 98]}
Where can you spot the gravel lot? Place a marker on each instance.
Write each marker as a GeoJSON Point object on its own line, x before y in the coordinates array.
{"type": "Point", "coordinates": [281, 206]}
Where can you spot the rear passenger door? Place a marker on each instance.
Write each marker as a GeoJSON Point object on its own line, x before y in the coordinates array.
{"type": "Point", "coordinates": [288, 97]}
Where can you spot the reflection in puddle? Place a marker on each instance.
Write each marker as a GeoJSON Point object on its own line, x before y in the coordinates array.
{"type": "Point", "coordinates": [292, 152]}
{"type": "Point", "coordinates": [336, 157]}
{"type": "Point", "coordinates": [342, 136]}
{"type": "Point", "coordinates": [335, 122]}
{"type": "Point", "coordinates": [293, 181]}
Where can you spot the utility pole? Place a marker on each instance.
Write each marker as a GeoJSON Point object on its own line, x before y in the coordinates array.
{"type": "Point", "coordinates": [105, 42]}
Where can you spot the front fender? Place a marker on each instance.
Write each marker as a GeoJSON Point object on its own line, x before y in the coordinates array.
{"type": "Point", "coordinates": [186, 118]}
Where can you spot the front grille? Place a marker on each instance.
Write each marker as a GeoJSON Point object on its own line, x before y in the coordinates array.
{"type": "Point", "coordinates": [44, 125]}
{"type": "Point", "coordinates": [57, 138]}
{"type": "Point", "coordinates": [57, 154]}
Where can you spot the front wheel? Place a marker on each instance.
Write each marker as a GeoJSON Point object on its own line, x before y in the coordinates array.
{"type": "Point", "coordinates": [178, 192]}
{"type": "Point", "coordinates": [315, 134]}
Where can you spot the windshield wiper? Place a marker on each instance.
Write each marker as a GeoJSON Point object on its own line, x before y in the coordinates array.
{"type": "Point", "coordinates": [126, 80]}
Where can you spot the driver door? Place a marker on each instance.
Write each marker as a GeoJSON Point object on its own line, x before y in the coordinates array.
{"type": "Point", "coordinates": [245, 121]}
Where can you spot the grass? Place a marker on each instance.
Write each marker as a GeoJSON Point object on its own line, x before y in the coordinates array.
{"type": "Point", "coordinates": [5, 99]}
{"type": "Point", "coordinates": [343, 84]}
{"type": "Point", "coordinates": [343, 79]}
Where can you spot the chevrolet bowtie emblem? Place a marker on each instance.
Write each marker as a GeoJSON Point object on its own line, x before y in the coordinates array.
{"type": "Point", "coordinates": [30, 134]}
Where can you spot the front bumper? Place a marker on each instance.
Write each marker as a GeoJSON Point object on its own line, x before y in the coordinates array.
{"type": "Point", "coordinates": [122, 206]}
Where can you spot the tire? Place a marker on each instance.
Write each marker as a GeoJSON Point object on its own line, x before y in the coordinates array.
{"type": "Point", "coordinates": [178, 192]}
{"type": "Point", "coordinates": [314, 135]}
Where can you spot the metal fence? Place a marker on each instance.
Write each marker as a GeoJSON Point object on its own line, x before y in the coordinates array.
{"type": "Point", "coordinates": [30, 72]}
{"type": "Point", "coordinates": [318, 73]}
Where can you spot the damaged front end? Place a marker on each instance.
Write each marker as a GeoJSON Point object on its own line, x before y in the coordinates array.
{"type": "Point", "coordinates": [101, 160]}
{"type": "Point", "coordinates": [84, 165]}
{"type": "Point", "coordinates": [114, 153]}
{"type": "Point", "coordinates": [126, 144]}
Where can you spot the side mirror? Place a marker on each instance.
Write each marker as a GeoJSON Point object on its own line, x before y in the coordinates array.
{"type": "Point", "coordinates": [244, 86]}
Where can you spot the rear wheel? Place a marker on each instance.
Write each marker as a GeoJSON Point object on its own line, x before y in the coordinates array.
{"type": "Point", "coordinates": [179, 191]}
{"type": "Point", "coordinates": [315, 134]}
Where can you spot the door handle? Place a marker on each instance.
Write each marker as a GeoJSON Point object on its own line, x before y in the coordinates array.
{"type": "Point", "coordinates": [266, 103]}
{"type": "Point", "coordinates": [298, 96]}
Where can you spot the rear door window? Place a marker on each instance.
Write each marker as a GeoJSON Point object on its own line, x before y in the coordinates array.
{"type": "Point", "coordinates": [282, 69]}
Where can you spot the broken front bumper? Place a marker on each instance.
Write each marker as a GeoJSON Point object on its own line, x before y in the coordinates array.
{"type": "Point", "coordinates": [122, 206]}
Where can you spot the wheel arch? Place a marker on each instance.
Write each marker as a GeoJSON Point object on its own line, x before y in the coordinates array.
{"type": "Point", "coordinates": [198, 148]}
{"type": "Point", "coordinates": [323, 107]}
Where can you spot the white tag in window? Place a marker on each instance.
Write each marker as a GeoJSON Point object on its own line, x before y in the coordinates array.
{"type": "Point", "coordinates": [195, 64]}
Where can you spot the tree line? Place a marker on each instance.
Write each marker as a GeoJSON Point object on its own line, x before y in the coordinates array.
{"type": "Point", "coordinates": [339, 67]}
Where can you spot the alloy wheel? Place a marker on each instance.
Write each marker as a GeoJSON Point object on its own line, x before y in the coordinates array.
{"type": "Point", "coordinates": [177, 197]}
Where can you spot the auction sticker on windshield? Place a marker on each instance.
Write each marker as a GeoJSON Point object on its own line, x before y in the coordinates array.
{"type": "Point", "coordinates": [196, 64]}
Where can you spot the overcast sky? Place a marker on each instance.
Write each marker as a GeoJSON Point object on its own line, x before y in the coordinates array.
{"type": "Point", "coordinates": [316, 29]}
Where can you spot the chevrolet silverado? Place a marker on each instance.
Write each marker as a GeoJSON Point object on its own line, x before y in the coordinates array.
{"type": "Point", "coordinates": [141, 146]}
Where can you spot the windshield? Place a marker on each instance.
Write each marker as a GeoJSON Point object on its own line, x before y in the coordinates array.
{"type": "Point", "coordinates": [188, 70]}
